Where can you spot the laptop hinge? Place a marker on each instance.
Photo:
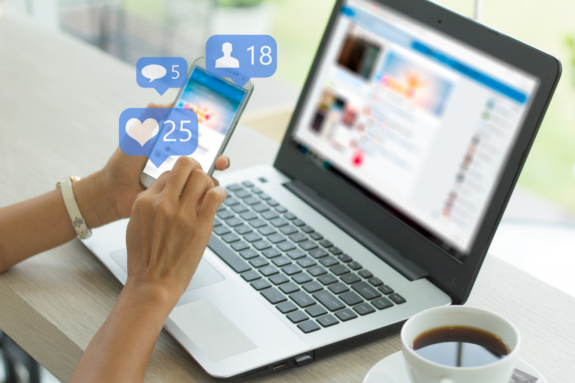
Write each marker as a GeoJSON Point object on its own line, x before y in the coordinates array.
{"type": "Point", "coordinates": [391, 256]}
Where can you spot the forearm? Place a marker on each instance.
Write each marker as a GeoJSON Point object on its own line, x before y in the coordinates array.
{"type": "Point", "coordinates": [33, 226]}
{"type": "Point", "coordinates": [120, 350]}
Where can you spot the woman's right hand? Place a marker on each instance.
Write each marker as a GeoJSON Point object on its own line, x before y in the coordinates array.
{"type": "Point", "coordinates": [169, 229]}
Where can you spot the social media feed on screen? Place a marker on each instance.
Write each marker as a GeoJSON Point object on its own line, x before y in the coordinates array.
{"type": "Point", "coordinates": [420, 121]}
{"type": "Point", "coordinates": [216, 102]}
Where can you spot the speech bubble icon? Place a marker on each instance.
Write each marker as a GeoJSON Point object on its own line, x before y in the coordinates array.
{"type": "Point", "coordinates": [154, 72]}
{"type": "Point", "coordinates": [241, 57]}
{"type": "Point", "coordinates": [158, 133]}
{"type": "Point", "coordinates": [161, 73]}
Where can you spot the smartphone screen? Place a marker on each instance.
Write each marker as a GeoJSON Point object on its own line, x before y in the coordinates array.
{"type": "Point", "coordinates": [216, 102]}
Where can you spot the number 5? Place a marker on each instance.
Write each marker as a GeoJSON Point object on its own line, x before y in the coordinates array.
{"type": "Point", "coordinates": [175, 66]}
{"type": "Point", "coordinates": [185, 130]}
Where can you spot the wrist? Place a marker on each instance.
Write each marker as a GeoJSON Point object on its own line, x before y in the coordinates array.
{"type": "Point", "coordinates": [159, 296]}
{"type": "Point", "coordinates": [94, 201]}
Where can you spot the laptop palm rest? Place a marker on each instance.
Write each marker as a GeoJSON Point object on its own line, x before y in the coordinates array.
{"type": "Point", "coordinates": [205, 274]}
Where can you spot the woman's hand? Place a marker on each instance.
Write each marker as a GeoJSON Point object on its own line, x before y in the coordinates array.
{"type": "Point", "coordinates": [109, 194]}
{"type": "Point", "coordinates": [170, 227]}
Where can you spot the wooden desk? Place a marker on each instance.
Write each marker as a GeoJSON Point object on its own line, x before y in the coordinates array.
{"type": "Point", "coordinates": [59, 105]}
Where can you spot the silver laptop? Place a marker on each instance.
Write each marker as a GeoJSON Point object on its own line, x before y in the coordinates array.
{"type": "Point", "coordinates": [401, 155]}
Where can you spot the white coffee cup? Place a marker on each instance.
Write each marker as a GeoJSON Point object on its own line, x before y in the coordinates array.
{"type": "Point", "coordinates": [421, 370]}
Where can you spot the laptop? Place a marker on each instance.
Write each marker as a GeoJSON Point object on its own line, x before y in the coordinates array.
{"type": "Point", "coordinates": [402, 153]}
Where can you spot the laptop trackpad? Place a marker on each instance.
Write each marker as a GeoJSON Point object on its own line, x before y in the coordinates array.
{"type": "Point", "coordinates": [210, 330]}
{"type": "Point", "coordinates": [205, 274]}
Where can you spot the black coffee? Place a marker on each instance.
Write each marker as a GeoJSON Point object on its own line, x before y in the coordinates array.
{"type": "Point", "coordinates": [460, 346]}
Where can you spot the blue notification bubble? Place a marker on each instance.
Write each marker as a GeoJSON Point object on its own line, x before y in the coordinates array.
{"type": "Point", "coordinates": [158, 133]}
{"type": "Point", "coordinates": [241, 57]}
{"type": "Point", "coordinates": [161, 73]}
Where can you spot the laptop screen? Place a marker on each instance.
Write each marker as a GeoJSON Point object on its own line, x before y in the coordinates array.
{"type": "Point", "coordinates": [419, 121]}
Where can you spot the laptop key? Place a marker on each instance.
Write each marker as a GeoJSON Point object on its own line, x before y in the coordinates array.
{"type": "Point", "coordinates": [279, 222]}
{"type": "Point", "coordinates": [350, 278]}
{"type": "Point", "coordinates": [386, 289]}
{"type": "Point", "coordinates": [233, 187]}
{"type": "Point", "coordinates": [338, 288]}
{"type": "Point", "coordinates": [355, 266]}
{"type": "Point", "coordinates": [281, 261]}
{"type": "Point", "coordinates": [327, 279]}
{"type": "Point", "coordinates": [264, 196]}
{"type": "Point", "coordinates": [227, 255]}
{"type": "Point", "coordinates": [259, 262]}
{"type": "Point", "coordinates": [335, 250]}
{"type": "Point", "coordinates": [243, 193]}
{"type": "Point", "coordinates": [231, 201]}
{"type": "Point", "coordinates": [328, 261]}
{"type": "Point", "coordinates": [375, 281]}
{"type": "Point", "coordinates": [252, 237]}
{"type": "Point", "coordinates": [291, 269]}
{"type": "Point", "coordinates": [222, 207]}
{"type": "Point", "coordinates": [296, 254]}
{"type": "Point", "coordinates": [331, 302]}
{"type": "Point", "coordinates": [217, 222]}
{"type": "Point", "coordinates": [270, 214]}
{"type": "Point", "coordinates": [298, 237]}
{"type": "Point", "coordinates": [316, 271]}
{"type": "Point", "coordinates": [256, 190]}
{"type": "Point", "coordinates": [260, 207]}
{"type": "Point", "coordinates": [307, 229]}
{"type": "Point", "coordinates": [260, 284]}
{"type": "Point", "coordinates": [286, 307]}
{"type": "Point", "coordinates": [316, 236]}
{"type": "Point", "coordinates": [312, 287]}
{"type": "Point", "coordinates": [273, 296]}
{"type": "Point", "coordinates": [297, 317]}
{"type": "Point", "coordinates": [345, 315]}
{"type": "Point", "coordinates": [248, 184]}
{"type": "Point", "coordinates": [350, 298]}
{"type": "Point", "coordinates": [290, 216]}
{"type": "Point", "coordinates": [381, 303]}
{"type": "Point", "coordinates": [318, 253]}
{"type": "Point", "coordinates": [298, 222]}
{"type": "Point", "coordinates": [364, 309]}
{"type": "Point", "coordinates": [225, 214]}
{"type": "Point", "coordinates": [271, 253]}
{"type": "Point", "coordinates": [249, 254]}
{"type": "Point", "coordinates": [229, 238]}
{"type": "Point", "coordinates": [286, 246]}
{"type": "Point", "coordinates": [262, 245]}
{"type": "Point", "coordinates": [235, 221]}
{"type": "Point", "coordinates": [251, 275]}
{"type": "Point", "coordinates": [301, 278]}
{"type": "Point", "coordinates": [276, 238]}
{"type": "Point", "coordinates": [272, 202]}
{"type": "Point", "coordinates": [239, 208]}
{"type": "Point", "coordinates": [398, 299]}
{"type": "Point", "coordinates": [339, 270]}
{"type": "Point", "coordinates": [267, 230]}
{"type": "Point", "coordinates": [344, 258]}
{"type": "Point", "coordinates": [315, 311]}
{"type": "Point", "coordinates": [258, 222]}
{"type": "Point", "coordinates": [366, 290]}
{"type": "Point", "coordinates": [306, 262]}
{"type": "Point", "coordinates": [243, 229]}
{"type": "Point", "coordinates": [251, 201]}
{"type": "Point", "coordinates": [289, 229]}
{"type": "Point", "coordinates": [240, 245]}
{"type": "Point", "coordinates": [280, 209]}
{"type": "Point", "coordinates": [327, 320]}
{"type": "Point", "coordinates": [248, 215]}
{"type": "Point", "coordinates": [289, 288]}
{"type": "Point", "coordinates": [325, 243]}
{"type": "Point", "coordinates": [308, 326]}
{"type": "Point", "coordinates": [308, 245]}
{"type": "Point", "coordinates": [268, 270]}
{"type": "Point", "coordinates": [221, 230]}
{"type": "Point", "coordinates": [302, 299]}
{"type": "Point", "coordinates": [278, 279]}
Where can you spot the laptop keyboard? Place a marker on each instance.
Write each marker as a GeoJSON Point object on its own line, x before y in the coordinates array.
{"type": "Point", "coordinates": [304, 275]}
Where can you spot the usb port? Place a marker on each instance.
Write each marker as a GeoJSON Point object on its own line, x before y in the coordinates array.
{"type": "Point", "coordinates": [279, 365]}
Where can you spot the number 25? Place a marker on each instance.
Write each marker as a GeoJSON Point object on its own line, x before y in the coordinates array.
{"type": "Point", "coordinates": [182, 129]}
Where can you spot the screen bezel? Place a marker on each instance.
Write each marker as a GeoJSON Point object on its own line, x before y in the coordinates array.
{"type": "Point", "coordinates": [454, 277]}
{"type": "Point", "coordinates": [146, 180]}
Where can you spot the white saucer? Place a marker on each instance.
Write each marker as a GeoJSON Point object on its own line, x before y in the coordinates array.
{"type": "Point", "coordinates": [392, 370]}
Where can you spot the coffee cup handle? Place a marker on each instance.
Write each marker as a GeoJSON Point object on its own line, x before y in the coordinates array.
{"type": "Point", "coordinates": [446, 380]}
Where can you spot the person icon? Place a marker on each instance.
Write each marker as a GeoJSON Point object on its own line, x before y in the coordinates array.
{"type": "Point", "coordinates": [227, 61]}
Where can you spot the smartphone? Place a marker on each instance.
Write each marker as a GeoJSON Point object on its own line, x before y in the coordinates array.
{"type": "Point", "coordinates": [218, 103]}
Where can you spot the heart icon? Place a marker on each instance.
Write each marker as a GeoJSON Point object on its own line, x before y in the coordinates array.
{"type": "Point", "coordinates": [142, 132]}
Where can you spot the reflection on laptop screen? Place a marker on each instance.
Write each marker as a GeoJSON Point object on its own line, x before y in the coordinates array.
{"type": "Point", "coordinates": [418, 120]}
